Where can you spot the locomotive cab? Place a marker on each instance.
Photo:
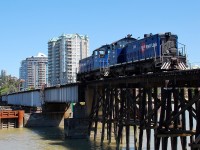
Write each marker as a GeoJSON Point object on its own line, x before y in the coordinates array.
{"type": "Point", "coordinates": [101, 57]}
{"type": "Point", "coordinates": [171, 58]}
{"type": "Point", "coordinates": [102, 53]}
{"type": "Point", "coordinates": [169, 45]}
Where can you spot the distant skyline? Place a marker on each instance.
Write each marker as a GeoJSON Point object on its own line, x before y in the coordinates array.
{"type": "Point", "coordinates": [27, 26]}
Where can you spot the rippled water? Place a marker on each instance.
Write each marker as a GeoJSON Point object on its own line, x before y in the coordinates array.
{"type": "Point", "coordinates": [53, 138]}
{"type": "Point", "coordinates": [46, 139]}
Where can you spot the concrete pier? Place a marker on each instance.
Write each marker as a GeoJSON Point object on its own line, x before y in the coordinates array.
{"type": "Point", "coordinates": [77, 127]}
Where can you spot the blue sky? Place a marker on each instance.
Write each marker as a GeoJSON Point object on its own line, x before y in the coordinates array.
{"type": "Point", "coordinates": [27, 25]}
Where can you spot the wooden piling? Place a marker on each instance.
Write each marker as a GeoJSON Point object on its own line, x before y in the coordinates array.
{"type": "Point", "coordinates": [145, 110]}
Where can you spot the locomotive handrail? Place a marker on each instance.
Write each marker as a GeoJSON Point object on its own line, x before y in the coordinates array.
{"type": "Point", "coordinates": [154, 49]}
{"type": "Point", "coordinates": [161, 58]}
{"type": "Point", "coordinates": [183, 48]}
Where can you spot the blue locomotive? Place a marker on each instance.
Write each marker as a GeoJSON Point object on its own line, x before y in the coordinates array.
{"type": "Point", "coordinates": [129, 56]}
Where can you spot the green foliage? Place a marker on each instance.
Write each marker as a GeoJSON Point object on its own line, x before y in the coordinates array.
{"type": "Point", "coordinates": [31, 88]}
{"type": "Point", "coordinates": [4, 91]}
{"type": "Point", "coordinates": [8, 85]}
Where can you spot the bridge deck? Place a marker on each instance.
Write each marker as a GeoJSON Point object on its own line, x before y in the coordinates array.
{"type": "Point", "coordinates": [186, 78]}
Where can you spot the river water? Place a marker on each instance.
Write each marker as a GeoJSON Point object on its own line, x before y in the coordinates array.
{"type": "Point", "coordinates": [51, 138]}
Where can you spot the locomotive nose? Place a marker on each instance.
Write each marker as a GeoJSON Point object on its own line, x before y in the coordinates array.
{"type": "Point", "coordinates": [177, 64]}
{"type": "Point", "coordinates": [174, 61]}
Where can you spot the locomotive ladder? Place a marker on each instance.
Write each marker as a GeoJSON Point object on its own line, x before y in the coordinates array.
{"type": "Point", "coordinates": [104, 68]}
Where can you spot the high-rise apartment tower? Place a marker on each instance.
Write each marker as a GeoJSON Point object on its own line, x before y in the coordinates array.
{"type": "Point", "coordinates": [33, 71]}
{"type": "Point", "coordinates": [3, 73]}
{"type": "Point", "coordinates": [64, 53]}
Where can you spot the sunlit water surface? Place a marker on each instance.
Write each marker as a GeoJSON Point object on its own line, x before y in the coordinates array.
{"type": "Point", "coordinates": [53, 138]}
{"type": "Point", "coordinates": [47, 139]}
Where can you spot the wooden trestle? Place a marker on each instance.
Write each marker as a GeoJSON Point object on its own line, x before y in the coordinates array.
{"type": "Point", "coordinates": [168, 111]}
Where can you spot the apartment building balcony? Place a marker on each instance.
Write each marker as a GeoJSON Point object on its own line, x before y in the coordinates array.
{"type": "Point", "coordinates": [50, 50]}
{"type": "Point", "coordinates": [57, 59]}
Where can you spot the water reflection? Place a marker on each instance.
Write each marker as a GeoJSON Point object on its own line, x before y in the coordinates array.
{"type": "Point", "coordinates": [52, 138]}
{"type": "Point", "coordinates": [47, 139]}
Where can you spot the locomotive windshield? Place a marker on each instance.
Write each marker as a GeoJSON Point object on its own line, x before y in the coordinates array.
{"type": "Point", "coordinates": [101, 53]}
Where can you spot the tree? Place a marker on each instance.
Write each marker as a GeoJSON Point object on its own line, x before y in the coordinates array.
{"type": "Point", "coordinates": [9, 85]}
